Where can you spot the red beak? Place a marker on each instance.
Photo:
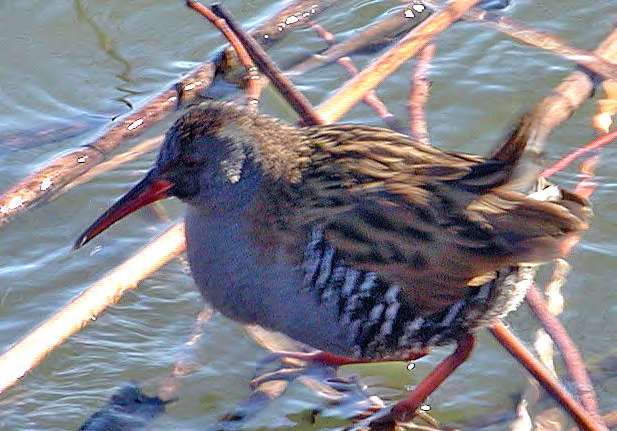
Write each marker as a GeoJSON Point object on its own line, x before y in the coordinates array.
{"type": "Point", "coordinates": [151, 189]}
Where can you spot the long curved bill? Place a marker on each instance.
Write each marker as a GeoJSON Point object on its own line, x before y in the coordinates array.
{"type": "Point", "coordinates": [151, 189]}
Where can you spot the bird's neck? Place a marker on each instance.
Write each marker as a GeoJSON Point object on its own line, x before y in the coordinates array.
{"type": "Point", "coordinates": [281, 150]}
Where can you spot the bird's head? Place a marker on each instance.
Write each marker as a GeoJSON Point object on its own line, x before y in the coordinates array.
{"type": "Point", "coordinates": [208, 160]}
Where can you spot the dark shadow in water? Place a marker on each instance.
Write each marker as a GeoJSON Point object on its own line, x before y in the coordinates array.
{"type": "Point", "coordinates": [128, 409]}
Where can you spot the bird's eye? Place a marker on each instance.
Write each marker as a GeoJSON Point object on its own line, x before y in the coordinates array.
{"type": "Point", "coordinates": [190, 162]}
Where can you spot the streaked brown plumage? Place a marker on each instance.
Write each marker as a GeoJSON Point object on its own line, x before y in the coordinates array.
{"type": "Point", "coordinates": [426, 219]}
{"type": "Point", "coordinates": [355, 240]}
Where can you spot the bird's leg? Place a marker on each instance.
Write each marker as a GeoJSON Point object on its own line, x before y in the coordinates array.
{"type": "Point", "coordinates": [293, 364]}
{"type": "Point", "coordinates": [347, 393]}
{"type": "Point", "coordinates": [289, 367]}
{"type": "Point", "coordinates": [405, 409]}
{"type": "Point", "coordinates": [326, 358]}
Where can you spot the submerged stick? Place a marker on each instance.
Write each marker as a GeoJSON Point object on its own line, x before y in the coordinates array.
{"type": "Point", "coordinates": [544, 377]}
{"type": "Point", "coordinates": [27, 353]}
{"type": "Point", "coordinates": [538, 38]}
{"type": "Point", "coordinates": [44, 184]}
{"type": "Point", "coordinates": [283, 84]}
{"type": "Point", "coordinates": [380, 33]}
{"type": "Point", "coordinates": [55, 131]}
{"type": "Point", "coordinates": [355, 89]}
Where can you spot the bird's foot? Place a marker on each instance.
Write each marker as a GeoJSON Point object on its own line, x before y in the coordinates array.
{"type": "Point", "coordinates": [282, 361]}
{"type": "Point", "coordinates": [283, 374]}
{"type": "Point", "coordinates": [278, 361]}
{"type": "Point", "coordinates": [380, 419]}
{"type": "Point", "coordinates": [384, 418]}
{"type": "Point", "coordinates": [288, 366]}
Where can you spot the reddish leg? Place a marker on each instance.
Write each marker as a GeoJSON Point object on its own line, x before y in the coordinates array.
{"type": "Point", "coordinates": [337, 361]}
{"type": "Point", "coordinates": [318, 357]}
{"type": "Point", "coordinates": [326, 358]}
{"type": "Point", "coordinates": [405, 409]}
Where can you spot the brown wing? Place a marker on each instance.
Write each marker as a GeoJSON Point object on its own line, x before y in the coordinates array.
{"type": "Point", "coordinates": [425, 219]}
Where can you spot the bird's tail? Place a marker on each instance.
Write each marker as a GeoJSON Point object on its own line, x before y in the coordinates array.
{"type": "Point", "coordinates": [522, 152]}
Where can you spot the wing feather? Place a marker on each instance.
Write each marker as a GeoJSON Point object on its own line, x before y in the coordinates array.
{"type": "Point", "coordinates": [429, 220]}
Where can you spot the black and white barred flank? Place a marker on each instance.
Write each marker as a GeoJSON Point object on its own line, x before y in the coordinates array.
{"type": "Point", "coordinates": [380, 324]}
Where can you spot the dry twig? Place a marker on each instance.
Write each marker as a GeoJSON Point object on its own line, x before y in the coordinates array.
{"type": "Point", "coordinates": [419, 95]}
{"type": "Point", "coordinates": [538, 39]}
{"type": "Point", "coordinates": [544, 377]}
{"type": "Point", "coordinates": [380, 69]}
{"type": "Point", "coordinates": [24, 355]}
{"type": "Point", "coordinates": [370, 98]}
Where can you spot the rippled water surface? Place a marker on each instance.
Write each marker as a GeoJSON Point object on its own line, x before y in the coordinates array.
{"type": "Point", "coordinates": [91, 61]}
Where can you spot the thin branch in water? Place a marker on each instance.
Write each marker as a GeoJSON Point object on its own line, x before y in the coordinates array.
{"type": "Point", "coordinates": [27, 353]}
{"type": "Point", "coordinates": [56, 131]}
{"type": "Point", "coordinates": [420, 89]}
{"type": "Point", "coordinates": [565, 161]}
{"type": "Point", "coordinates": [572, 357]}
{"type": "Point", "coordinates": [544, 377]}
{"type": "Point", "coordinates": [252, 74]}
{"type": "Point", "coordinates": [371, 98]}
{"type": "Point", "coordinates": [355, 89]}
{"type": "Point", "coordinates": [296, 99]}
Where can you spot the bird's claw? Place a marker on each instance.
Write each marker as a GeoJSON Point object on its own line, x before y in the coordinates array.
{"type": "Point", "coordinates": [382, 418]}
{"type": "Point", "coordinates": [283, 360]}
{"type": "Point", "coordinates": [285, 374]}
{"type": "Point", "coordinates": [349, 384]}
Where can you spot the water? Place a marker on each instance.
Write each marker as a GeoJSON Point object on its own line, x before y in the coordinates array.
{"type": "Point", "coordinates": [96, 59]}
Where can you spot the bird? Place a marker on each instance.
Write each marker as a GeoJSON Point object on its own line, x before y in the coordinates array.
{"type": "Point", "coordinates": [355, 240]}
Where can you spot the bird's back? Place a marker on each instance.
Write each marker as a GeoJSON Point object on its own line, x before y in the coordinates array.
{"type": "Point", "coordinates": [363, 242]}
{"type": "Point", "coordinates": [430, 221]}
